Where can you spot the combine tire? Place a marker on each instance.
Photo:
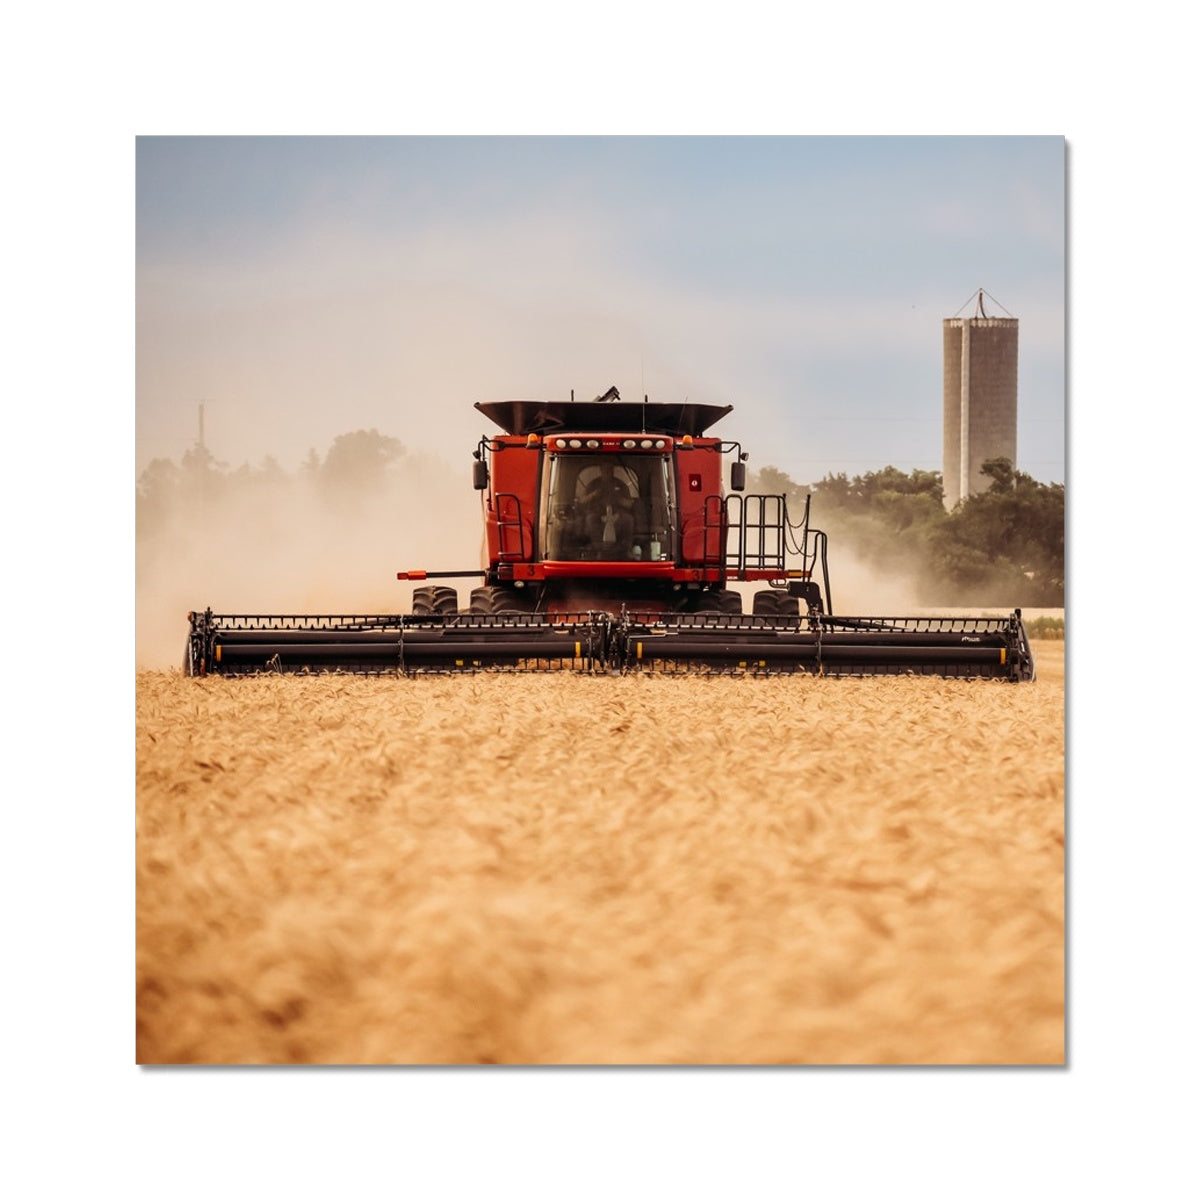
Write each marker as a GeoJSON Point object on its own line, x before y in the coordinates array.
{"type": "Point", "coordinates": [487, 600]}
{"type": "Point", "coordinates": [434, 602]}
{"type": "Point", "coordinates": [724, 601]}
{"type": "Point", "coordinates": [773, 603]}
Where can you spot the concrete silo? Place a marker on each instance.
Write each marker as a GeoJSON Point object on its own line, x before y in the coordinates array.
{"type": "Point", "coordinates": [979, 399]}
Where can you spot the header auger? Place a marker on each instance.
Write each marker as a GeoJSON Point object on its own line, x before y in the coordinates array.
{"type": "Point", "coordinates": [610, 546]}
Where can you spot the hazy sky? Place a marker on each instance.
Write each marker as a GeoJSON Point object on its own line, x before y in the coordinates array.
{"type": "Point", "coordinates": [304, 287]}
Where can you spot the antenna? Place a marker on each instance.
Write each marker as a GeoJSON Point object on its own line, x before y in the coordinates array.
{"type": "Point", "coordinates": [978, 296]}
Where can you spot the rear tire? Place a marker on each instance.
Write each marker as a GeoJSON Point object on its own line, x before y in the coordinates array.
{"type": "Point", "coordinates": [434, 602]}
{"type": "Point", "coordinates": [773, 603]}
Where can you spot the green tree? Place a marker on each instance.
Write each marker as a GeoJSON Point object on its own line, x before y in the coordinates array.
{"type": "Point", "coordinates": [158, 481]}
{"type": "Point", "coordinates": [1011, 537]}
{"type": "Point", "coordinates": [358, 462]}
{"type": "Point", "coordinates": [834, 490]}
{"type": "Point", "coordinates": [771, 481]}
{"type": "Point", "coordinates": [876, 489]}
{"type": "Point", "coordinates": [157, 489]}
{"type": "Point", "coordinates": [1000, 472]}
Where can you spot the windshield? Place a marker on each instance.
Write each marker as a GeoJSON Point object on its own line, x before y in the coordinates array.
{"type": "Point", "coordinates": [609, 507]}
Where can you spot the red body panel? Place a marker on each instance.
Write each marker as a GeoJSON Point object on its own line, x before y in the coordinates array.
{"type": "Point", "coordinates": [510, 504]}
{"type": "Point", "coordinates": [698, 495]}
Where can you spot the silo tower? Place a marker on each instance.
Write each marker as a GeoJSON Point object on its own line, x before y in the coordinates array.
{"type": "Point", "coordinates": [979, 398]}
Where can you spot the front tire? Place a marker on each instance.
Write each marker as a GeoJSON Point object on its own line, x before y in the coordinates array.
{"type": "Point", "coordinates": [722, 600]}
{"type": "Point", "coordinates": [486, 601]}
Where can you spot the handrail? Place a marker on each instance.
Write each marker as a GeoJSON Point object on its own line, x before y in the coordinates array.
{"type": "Point", "coordinates": [522, 552]}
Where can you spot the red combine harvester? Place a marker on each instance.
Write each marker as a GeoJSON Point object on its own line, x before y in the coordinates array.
{"type": "Point", "coordinates": [611, 543]}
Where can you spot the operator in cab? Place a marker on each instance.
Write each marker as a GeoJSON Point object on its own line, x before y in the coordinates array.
{"type": "Point", "coordinates": [608, 515]}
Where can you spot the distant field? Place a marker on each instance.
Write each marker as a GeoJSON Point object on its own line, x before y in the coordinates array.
{"type": "Point", "coordinates": [566, 869]}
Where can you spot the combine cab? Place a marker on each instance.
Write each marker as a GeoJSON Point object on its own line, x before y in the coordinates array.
{"type": "Point", "coordinates": [610, 545]}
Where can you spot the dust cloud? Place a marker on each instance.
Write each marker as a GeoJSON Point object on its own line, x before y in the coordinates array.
{"type": "Point", "coordinates": [283, 545]}
{"type": "Point", "coordinates": [859, 588]}
{"type": "Point", "coordinates": [866, 589]}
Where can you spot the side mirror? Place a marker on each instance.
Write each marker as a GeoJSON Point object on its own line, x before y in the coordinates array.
{"type": "Point", "coordinates": [737, 476]}
{"type": "Point", "coordinates": [479, 475]}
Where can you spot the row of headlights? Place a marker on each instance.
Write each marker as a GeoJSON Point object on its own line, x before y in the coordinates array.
{"type": "Point", "coordinates": [594, 444]}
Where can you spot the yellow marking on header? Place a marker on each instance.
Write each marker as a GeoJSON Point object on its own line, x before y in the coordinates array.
{"type": "Point", "coordinates": [218, 653]}
{"type": "Point", "coordinates": [1003, 652]}
{"type": "Point", "coordinates": [639, 646]}
{"type": "Point", "coordinates": [577, 654]}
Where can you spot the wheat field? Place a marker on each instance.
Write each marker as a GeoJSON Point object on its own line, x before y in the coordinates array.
{"type": "Point", "coordinates": [562, 869]}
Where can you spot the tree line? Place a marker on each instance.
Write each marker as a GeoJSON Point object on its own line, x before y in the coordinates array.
{"type": "Point", "coordinates": [1004, 545]}
{"type": "Point", "coordinates": [353, 472]}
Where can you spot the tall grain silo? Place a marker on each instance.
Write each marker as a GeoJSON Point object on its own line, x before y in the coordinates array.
{"type": "Point", "coordinates": [979, 399]}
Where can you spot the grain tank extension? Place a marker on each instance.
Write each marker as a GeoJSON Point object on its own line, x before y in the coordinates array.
{"type": "Point", "coordinates": [610, 545]}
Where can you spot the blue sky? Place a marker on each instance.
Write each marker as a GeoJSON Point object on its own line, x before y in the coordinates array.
{"type": "Point", "coordinates": [303, 287]}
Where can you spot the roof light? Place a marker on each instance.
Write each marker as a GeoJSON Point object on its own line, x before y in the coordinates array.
{"type": "Point", "coordinates": [561, 443]}
{"type": "Point", "coordinates": [647, 444]}
{"type": "Point", "coordinates": [660, 444]}
{"type": "Point", "coordinates": [575, 443]}
{"type": "Point", "coordinates": [628, 444]}
{"type": "Point", "coordinates": [593, 444]}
